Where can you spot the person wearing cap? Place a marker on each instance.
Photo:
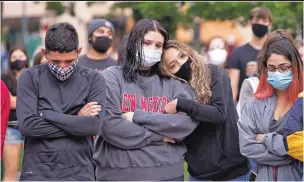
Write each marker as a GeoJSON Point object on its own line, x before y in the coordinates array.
{"type": "Point", "coordinates": [100, 36]}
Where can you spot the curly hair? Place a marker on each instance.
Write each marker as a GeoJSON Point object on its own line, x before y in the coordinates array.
{"type": "Point", "coordinates": [200, 75]}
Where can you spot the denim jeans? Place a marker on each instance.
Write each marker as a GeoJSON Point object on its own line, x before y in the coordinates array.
{"type": "Point", "coordinates": [240, 178]}
{"type": "Point", "coordinates": [175, 179]}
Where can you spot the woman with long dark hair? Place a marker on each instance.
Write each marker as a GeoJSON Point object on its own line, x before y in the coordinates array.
{"type": "Point", "coordinates": [212, 149]}
{"type": "Point", "coordinates": [263, 118]}
{"type": "Point", "coordinates": [138, 141]}
{"type": "Point", "coordinates": [17, 62]}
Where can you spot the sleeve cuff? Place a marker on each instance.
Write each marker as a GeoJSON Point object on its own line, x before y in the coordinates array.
{"type": "Point", "coordinates": [141, 117]}
{"type": "Point", "coordinates": [182, 105]}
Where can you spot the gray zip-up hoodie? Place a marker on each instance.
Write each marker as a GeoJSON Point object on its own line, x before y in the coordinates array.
{"type": "Point", "coordinates": [135, 150]}
{"type": "Point", "coordinates": [271, 157]}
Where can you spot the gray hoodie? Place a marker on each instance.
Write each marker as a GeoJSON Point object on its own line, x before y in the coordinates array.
{"type": "Point", "coordinates": [135, 150]}
{"type": "Point", "coordinates": [271, 155]}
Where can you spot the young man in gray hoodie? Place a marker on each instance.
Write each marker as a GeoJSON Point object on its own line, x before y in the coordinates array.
{"type": "Point", "coordinates": [138, 141]}
{"type": "Point", "coordinates": [58, 137]}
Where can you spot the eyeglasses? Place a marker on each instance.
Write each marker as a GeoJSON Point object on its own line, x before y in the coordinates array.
{"type": "Point", "coordinates": [282, 69]}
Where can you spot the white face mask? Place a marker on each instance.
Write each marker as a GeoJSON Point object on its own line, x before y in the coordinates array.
{"type": "Point", "coordinates": [150, 57]}
{"type": "Point", "coordinates": [217, 56]}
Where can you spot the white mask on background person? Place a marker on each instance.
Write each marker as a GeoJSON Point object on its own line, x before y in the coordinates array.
{"type": "Point", "coordinates": [150, 57]}
{"type": "Point", "coordinates": [217, 56]}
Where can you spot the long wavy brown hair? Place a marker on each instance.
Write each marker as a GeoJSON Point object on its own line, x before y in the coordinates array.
{"type": "Point", "coordinates": [200, 73]}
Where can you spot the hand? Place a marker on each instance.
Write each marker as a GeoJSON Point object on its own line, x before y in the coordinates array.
{"type": "Point", "coordinates": [169, 140]}
{"type": "Point", "coordinates": [90, 109]}
{"type": "Point", "coordinates": [170, 108]}
{"type": "Point", "coordinates": [260, 138]}
{"type": "Point", "coordinates": [301, 94]}
{"type": "Point", "coordinates": [251, 69]}
{"type": "Point", "coordinates": [128, 116]}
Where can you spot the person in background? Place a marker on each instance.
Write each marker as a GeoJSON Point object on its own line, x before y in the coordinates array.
{"type": "Point", "coordinates": [39, 58]}
{"type": "Point", "coordinates": [5, 110]}
{"type": "Point", "coordinates": [263, 118]}
{"type": "Point", "coordinates": [231, 44]}
{"type": "Point", "coordinates": [100, 36]}
{"type": "Point", "coordinates": [18, 61]}
{"type": "Point", "coordinates": [216, 51]}
{"type": "Point", "coordinates": [60, 106]}
{"type": "Point", "coordinates": [138, 140]}
{"type": "Point", "coordinates": [242, 61]}
{"type": "Point", "coordinates": [122, 51]}
{"type": "Point", "coordinates": [213, 151]}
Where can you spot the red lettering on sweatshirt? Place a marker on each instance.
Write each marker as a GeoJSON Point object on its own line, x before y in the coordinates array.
{"type": "Point", "coordinates": [132, 99]}
{"type": "Point", "coordinates": [151, 104]}
{"type": "Point", "coordinates": [143, 103]}
{"type": "Point", "coordinates": [156, 103]}
{"type": "Point", "coordinates": [125, 108]}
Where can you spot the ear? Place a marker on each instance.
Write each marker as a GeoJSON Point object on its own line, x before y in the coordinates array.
{"type": "Point", "coordinates": [79, 50]}
{"type": "Point", "coordinates": [43, 51]}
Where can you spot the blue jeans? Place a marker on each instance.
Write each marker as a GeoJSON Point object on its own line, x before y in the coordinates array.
{"type": "Point", "coordinates": [175, 179]}
{"type": "Point", "coordinates": [240, 178]}
{"type": "Point", "coordinates": [13, 136]}
{"type": "Point", "coordinates": [253, 166]}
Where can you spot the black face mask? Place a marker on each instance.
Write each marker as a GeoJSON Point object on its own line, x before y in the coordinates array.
{"type": "Point", "coordinates": [185, 71]}
{"type": "Point", "coordinates": [18, 65]}
{"type": "Point", "coordinates": [102, 44]}
{"type": "Point", "coordinates": [259, 30]}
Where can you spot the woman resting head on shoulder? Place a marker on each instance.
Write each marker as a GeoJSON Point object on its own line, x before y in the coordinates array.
{"type": "Point", "coordinates": [215, 140]}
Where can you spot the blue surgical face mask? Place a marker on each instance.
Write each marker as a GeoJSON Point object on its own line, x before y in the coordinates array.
{"type": "Point", "coordinates": [280, 81]}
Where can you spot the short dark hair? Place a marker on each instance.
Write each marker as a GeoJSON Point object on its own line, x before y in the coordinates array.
{"type": "Point", "coordinates": [132, 63]}
{"type": "Point", "coordinates": [261, 12]}
{"type": "Point", "coordinates": [61, 37]}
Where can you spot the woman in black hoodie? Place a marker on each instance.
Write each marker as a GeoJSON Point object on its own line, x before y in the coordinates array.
{"type": "Point", "coordinates": [213, 148]}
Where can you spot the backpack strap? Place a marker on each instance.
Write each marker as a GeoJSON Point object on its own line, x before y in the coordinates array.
{"type": "Point", "coordinates": [254, 82]}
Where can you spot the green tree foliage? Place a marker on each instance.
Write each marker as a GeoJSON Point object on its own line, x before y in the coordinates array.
{"type": "Point", "coordinates": [57, 7]}
{"type": "Point", "coordinates": [285, 14]}
{"type": "Point", "coordinates": [165, 12]}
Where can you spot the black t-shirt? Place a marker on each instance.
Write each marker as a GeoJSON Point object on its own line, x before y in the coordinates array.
{"type": "Point", "coordinates": [97, 65]}
{"type": "Point", "coordinates": [11, 87]}
{"type": "Point", "coordinates": [239, 58]}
